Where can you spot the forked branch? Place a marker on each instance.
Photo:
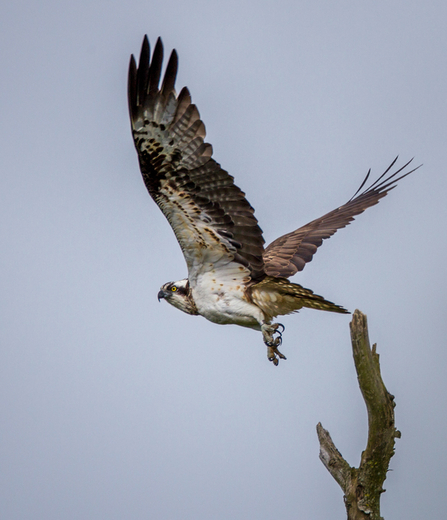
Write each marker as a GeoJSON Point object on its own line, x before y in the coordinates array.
{"type": "Point", "coordinates": [362, 486]}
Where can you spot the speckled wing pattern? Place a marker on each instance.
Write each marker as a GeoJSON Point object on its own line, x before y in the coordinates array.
{"type": "Point", "coordinates": [211, 218]}
{"type": "Point", "coordinates": [288, 254]}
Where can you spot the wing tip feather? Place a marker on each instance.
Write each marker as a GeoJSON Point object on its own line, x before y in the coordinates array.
{"type": "Point", "coordinates": [329, 224]}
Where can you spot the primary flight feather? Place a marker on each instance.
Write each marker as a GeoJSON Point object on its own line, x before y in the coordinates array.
{"type": "Point", "coordinates": [232, 278]}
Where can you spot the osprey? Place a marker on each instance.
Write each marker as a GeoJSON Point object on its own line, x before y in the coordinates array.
{"type": "Point", "coordinates": [232, 278]}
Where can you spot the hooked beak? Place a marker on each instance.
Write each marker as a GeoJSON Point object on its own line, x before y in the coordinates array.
{"type": "Point", "coordinates": [161, 294]}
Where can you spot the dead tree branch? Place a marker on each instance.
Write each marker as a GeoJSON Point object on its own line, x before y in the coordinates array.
{"type": "Point", "coordinates": [362, 486]}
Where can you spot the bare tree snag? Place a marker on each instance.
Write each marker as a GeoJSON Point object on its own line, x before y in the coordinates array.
{"type": "Point", "coordinates": [362, 486]}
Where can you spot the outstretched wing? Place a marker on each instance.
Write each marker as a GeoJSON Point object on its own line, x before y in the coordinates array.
{"type": "Point", "coordinates": [288, 254]}
{"type": "Point", "coordinates": [210, 216]}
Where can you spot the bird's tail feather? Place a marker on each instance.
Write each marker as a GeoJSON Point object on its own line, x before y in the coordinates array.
{"type": "Point", "coordinates": [277, 296]}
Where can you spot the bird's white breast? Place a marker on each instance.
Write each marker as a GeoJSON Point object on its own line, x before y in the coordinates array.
{"type": "Point", "coordinates": [219, 295]}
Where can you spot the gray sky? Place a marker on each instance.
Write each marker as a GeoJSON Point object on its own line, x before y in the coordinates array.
{"type": "Point", "coordinates": [115, 406]}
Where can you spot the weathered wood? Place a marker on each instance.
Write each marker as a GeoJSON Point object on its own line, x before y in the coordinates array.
{"type": "Point", "coordinates": [362, 486]}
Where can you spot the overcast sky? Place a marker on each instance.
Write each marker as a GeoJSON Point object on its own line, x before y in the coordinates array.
{"type": "Point", "coordinates": [116, 406]}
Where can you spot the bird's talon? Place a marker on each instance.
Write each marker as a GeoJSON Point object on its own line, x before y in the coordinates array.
{"type": "Point", "coordinates": [272, 342]}
{"type": "Point", "coordinates": [273, 355]}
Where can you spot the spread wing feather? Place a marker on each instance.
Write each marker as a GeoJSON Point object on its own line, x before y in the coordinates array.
{"type": "Point", "coordinates": [288, 254]}
{"type": "Point", "coordinates": [210, 216]}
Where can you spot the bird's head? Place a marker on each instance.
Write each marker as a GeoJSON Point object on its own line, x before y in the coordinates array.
{"type": "Point", "coordinates": [179, 295]}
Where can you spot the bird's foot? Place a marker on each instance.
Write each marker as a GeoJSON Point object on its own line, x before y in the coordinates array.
{"type": "Point", "coordinates": [272, 342]}
{"type": "Point", "coordinates": [274, 355]}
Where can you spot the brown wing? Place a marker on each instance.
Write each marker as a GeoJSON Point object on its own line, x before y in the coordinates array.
{"type": "Point", "coordinates": [288, 254]}
{"type": "Point", "coordinates": [212, 220]}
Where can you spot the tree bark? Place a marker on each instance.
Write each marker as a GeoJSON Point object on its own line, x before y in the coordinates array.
{"type": "Point", "coordinates": [362, 486]}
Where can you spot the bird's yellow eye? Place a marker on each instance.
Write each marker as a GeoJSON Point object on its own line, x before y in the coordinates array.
{"type": "Point", "coordinates": [173, 288]}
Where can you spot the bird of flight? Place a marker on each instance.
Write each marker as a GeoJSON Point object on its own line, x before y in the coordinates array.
{"type": "Point", "coordinates": [232, 277]}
